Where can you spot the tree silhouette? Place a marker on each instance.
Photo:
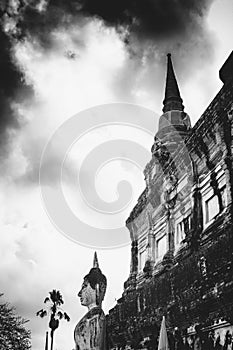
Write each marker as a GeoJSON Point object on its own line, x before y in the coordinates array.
{"type": "Point", "coordinates": [13, 334]}
{"type": "Point", "coordinates": [55, 310]}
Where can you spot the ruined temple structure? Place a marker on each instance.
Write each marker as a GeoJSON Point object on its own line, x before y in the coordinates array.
{"type": "Point", "coordinates": [181, 231]}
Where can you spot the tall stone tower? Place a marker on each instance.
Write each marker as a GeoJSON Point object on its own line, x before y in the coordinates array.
{"type": "Point", "coordinates": [181, 228]}
{"type": "Point", "coordinates": [170, 162]}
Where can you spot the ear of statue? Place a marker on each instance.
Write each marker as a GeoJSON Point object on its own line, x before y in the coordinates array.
{"type": "Point", "coordinates": [97, 290]}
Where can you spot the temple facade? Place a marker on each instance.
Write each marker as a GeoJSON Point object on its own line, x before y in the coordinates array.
{"type": "Point", "coordinates": [181, 231]}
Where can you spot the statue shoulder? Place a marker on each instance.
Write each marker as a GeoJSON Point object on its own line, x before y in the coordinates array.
{"type": "Point", "coordinates": [90, 331]}
{"type": "Point", "coordinates": [94, 313]}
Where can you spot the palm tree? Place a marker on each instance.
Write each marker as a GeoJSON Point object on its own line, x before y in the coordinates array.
{"type": "Point", "coordinates": [56, 312]}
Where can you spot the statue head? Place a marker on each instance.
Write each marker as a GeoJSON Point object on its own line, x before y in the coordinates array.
{"type": "Point", "coordinates": [94, 286]}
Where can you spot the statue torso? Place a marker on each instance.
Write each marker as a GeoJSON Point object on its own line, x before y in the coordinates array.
{"type": "Point", "coordinates": [89, 333]}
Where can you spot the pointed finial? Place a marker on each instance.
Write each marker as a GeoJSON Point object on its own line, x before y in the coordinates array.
{"type": "Point", "coordinates": [172, 100]}
{"type": "Point", "coordinates": [163, 338]}
{"type": "Point", "coordinates": [95, 261]}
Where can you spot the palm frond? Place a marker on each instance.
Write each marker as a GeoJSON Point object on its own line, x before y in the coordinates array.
{"type": "Point", "coordinates": [66, 317]}
{"type": "Point", "coordinates": [59, 298]}
{"type": "Point", "coordinates": [60, 314]}
{"type": "Point", "coordinates": [38, 312]}
{"type": "Point", "coordinates": [41, 313]}
{"type": "Point", "coordinates": [53, 295]}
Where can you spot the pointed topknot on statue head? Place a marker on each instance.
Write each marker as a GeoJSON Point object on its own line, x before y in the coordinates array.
{"type": "Point", "coordinates": [97, 280]}
{"type": "Point", "coordinates": [95, 261]}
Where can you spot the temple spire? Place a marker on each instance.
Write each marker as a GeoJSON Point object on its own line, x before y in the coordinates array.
{"type": "Point", "coordinates": [95, 261]}
{"type": "Point", "coordinates": [172, 100]}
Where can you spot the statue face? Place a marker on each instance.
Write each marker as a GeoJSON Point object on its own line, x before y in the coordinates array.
{"type": "Point", "coordinates": [87, 294]}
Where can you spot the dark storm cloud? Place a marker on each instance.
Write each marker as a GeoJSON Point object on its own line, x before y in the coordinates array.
{"type": "Point", "coordinates": [13, 88]}
{"type": "Point", "coordinates": [11, 80]}
{"type": "Point", "coordinates": [150, 18]}
{"type": "Point", "coordinates": [146, 19]}
{"type": "Point", "coordinates": [152, 28]}
{"type": "Point", "coordinates": [138, 21]}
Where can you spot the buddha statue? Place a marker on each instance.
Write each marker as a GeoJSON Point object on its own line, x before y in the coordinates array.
{"type": "Point", "coordinates": [89, 333]}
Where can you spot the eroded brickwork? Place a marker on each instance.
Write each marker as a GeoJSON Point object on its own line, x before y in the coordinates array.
{"type": "Point", "coordinates": [181, 230]}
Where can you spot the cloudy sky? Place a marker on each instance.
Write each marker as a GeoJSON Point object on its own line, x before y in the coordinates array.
{"type": "Point", "coordinates": [58, 59]}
